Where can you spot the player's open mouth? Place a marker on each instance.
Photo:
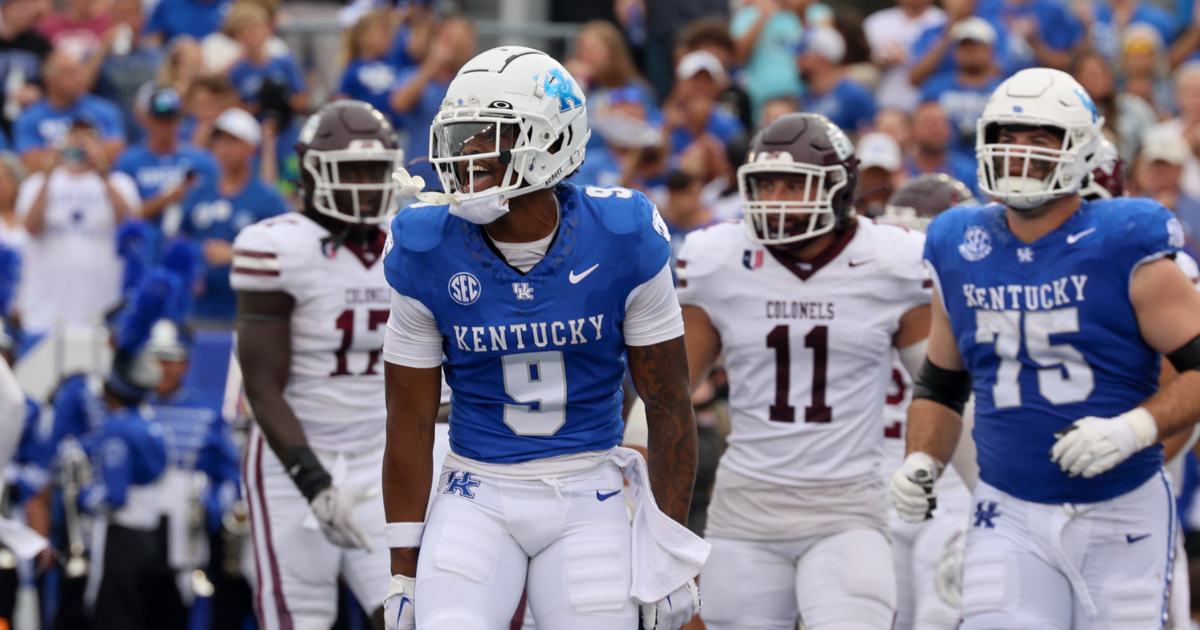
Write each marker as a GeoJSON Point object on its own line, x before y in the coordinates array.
{"type": "Point", "coordinates": [482, 175]}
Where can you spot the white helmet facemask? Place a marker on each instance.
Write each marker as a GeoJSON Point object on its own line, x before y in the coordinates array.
{"type": "Point", "coordinates": [1024, 176]}
{"type": "Point", "coordinates": [514, 106]}
{"type": "Point", "coordinates": [784, 222]}
{"type": "Point", "coordinates": [358, 184]}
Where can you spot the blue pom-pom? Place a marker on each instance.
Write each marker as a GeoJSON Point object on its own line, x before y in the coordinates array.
{"type": "Point", "coordinates": [148, 304]}
{"type": "Point", "coordinates": [10, 273]}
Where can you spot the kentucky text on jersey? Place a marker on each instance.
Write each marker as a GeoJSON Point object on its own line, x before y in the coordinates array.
{"type": "Point", "coordinates": [1061, 292]}
{"type": "Point", "coordinates": [541, 334]}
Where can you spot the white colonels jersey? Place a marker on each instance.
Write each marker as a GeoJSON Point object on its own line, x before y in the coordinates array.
{"type": "Point", "coordinates": [807, 349]}
{"type": "Point", "coordinates": [342, 307]}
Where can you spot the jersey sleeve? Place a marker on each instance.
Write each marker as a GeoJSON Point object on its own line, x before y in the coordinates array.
{"type": "Point", "coordinates": [412, 338]}
{"type": "Point", "coordinates": [1149, 233]}
{"type": "Point", "coordinates": [256, 265]}
{"type": "Point", "coordinates": [914, 284]}
{"type": "Point", "coordinates": [655, 245]}
{"type": "Point", "coordinates": [127, 188]}
{"type": "Point", "coordinates": [693, 263]}
{"type": "Point", "coordinates": [652, 313]}
{"type": "Point", "coordinates": [934, 236]}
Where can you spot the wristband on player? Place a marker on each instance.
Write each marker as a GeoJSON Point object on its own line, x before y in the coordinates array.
{"type": "Point", "coordinates": [306, 471]}
{"type": "Point", "coordinates": [1187, 357]}
{"type": "Point", "coordinates": [403, 535]}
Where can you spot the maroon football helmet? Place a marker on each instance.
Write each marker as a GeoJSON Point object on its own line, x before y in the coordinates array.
{"type": "Point", "coordinates": [918, 201]}
{"type": "Point", "coordinates": [814, 163]}
{"type": "Point", "coordinates": [348, 158]}
{"type": "Point", "coordinates": [1107, 180]}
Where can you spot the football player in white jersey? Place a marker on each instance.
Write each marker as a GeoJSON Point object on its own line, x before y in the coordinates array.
{"type": "Point", "coordinates": [927, 555]}
{"type": "Point", "coordinates": [312, 307]}
{"type": "Point", "coordinates": [805, 302]}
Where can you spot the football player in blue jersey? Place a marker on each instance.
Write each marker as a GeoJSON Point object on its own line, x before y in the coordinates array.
{"type": "Point", "coordinates": [530, 292]}
{"type": "Point", "coordinates": [1054, 312]}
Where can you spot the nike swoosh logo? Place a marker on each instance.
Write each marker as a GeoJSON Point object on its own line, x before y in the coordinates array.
{"type": "Point", "coordinates": [1132, 539]}
{"type": "Point", "coordinates": [860, 262]}
{"type": "Point", "coordinates": [575, 279]}
{"type": "Point", "coordinates": [605, 497]}
{"type": "Point", "coordinates": [1072, 238]}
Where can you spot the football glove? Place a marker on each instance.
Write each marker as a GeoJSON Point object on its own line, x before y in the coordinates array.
{"type": "Point", "coordinates": [398, 611]}
{"type": "Point", "coordinates": [334, 509]}
{"type": "Point", "coordinates": [1091, 446]}
{"type": "Point", "coordinates": [675, 610]}
{"type": "Point", "coordinates": [912, 488]}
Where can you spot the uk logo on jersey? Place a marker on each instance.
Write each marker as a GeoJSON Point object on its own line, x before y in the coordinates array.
{"type": "Point", "coordinates": [976, 245]}
{"type": "Point", "coordinates": [522, 290]}
{"type": "Point", "coordinates": [465, 288]}
{"type": "Point", "coordinates": [752, 259]}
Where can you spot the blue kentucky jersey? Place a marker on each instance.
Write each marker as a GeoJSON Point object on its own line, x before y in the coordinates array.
{"type": "Point", "coordinates": [1049, 335]}
{"type": "Point", "coordinates": [535, 360]}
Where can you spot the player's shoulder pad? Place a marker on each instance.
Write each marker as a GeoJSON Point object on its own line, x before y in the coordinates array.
{"type": "Point", "coordinates": [709, 248]}
{"type": "Point", "coordinates": [899, 248]}
{"type": "Point", "coordinates": [420, 227]}
{"type": "Point", "coordinates": [1136, 228]}
{"type": "Point", "coordinates": [949, 227]}
{"type": "Point", "coordinates": [269, 235]}
{"type": "Point", "coordinates": [625, 212]}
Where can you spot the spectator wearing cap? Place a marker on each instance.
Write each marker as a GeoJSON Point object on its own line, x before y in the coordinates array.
{"type": "Point", "coordinates": [964, 93]}
{"type": "Point", "coordinates": [712, 35]}
{"type": "Point", "coordinates": [78, 28]}
{"type": "Point", "coordinates": [765, 35]}
{"type": "Point", "coordinates": [164, 167]}
{"type": "Point", "coordinates": [215, 210]}
{"type": "Point", "coordinates": [880, 172]}
{"type": "Point", "coordinates": [848, 104]}
{"type": "Point", "coordinates": [1041, 32]}
{"type": "Point", "coordinates": [124, 62]}
{"type": "Point", "coordinates": [22, 51]}
{"type": "Point", "coordinates": [1127, 117]}
{"type": "Point", "coordinates": [1158, 174]}
{"type": "Point", "coordinates": [38, 128]}
{"type": "Point", "coordinates": [931, 134]}
{"type": "Point", "coordinates": [419, 91]}
{"type": "Point", "coordinates": [690, 111]}
{"type": "Point", "coordinates": [193, 18]}
{"type": "Point", "coordinates": [369, 75]}
{"type": "Point", "coordinates": [1104, 22]}
{"type": "Point", "coordinates": [891, 32]}
{"type": "Point", "coordinates": [72, 274]}
{"type": "Point", "coordinates": [259, 73]}
{"type": "Point", "coordinates": [1186, 126]}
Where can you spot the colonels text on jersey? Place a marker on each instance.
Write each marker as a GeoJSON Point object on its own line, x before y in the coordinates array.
{"type": "Point", "coordinates": [798, 421]}
{"type": "Point", "coordinates": [342, 307]}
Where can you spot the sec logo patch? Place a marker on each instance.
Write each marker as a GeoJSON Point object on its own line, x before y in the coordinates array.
{"type": "Point", "coordinates": [465, 288]}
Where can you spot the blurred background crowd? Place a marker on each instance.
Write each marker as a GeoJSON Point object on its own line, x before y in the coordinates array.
{"type": "Point", "coordinates": [142, 135]}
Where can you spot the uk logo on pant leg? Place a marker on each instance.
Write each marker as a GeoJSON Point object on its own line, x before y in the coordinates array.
{"type": "Point", "coordinates": [985, 511]}
{"type": "Point", "coordinates": [461, 482]}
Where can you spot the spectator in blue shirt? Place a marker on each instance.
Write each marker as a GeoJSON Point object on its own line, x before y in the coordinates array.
{"type": "Point", "coordinates": [850, 105]}
{"type": "Point", "coordinates": [1105, 22]}
{"type": "Point", "coordinates": [215, 211]}
{"type": "Point", "coordinates": [691, 111]}
{"type": "Point", "coordinates": [40, 127]}
{"type": "Point", "coordinates": [931, 152]}
{"type": "Point", "coordinates": [964, 94]}
{"type": "Point", "coordinates": [1041, 32]}
{"type": "Point", "coordinates": [369, 75]}
{"type": "Point", "coordinates": [250, 25]}
{"type": "Point", "coordinates": [419, 91]}
{"type": "Point", "coordinates": [934, 50]}
{"type": "Point", "coordinates": [164, 167]}
{"type": "Point", "coordinates": [194, 18]}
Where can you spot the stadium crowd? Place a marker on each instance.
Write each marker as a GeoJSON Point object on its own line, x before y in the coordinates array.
{"type": "Point", "coordinates": [139, 138]}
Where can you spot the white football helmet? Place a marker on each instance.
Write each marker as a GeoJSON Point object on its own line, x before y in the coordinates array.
{"type": "Point", "coordinates": [1037, 97]}
{"type": "Point", "coordinates": [514, 93]}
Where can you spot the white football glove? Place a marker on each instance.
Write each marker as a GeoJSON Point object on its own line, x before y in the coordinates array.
{"type": "Point", "coordinates": [912, 488]}
{"type": "Point", "coordinates": [671, 613]}
{"type": "Point", "coordinates": [1096, 445]}
{"type": "Point", "coordinates": [398, 608]}
{"type": "Point", "coordinates": [334, 509]}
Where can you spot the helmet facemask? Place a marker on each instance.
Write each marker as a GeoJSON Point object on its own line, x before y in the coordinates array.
{"type": "Point", "coordinates": [807, 210]}
{"type": "Point", "coordinates": [356, 184]}
{"type": "Point", "coordinates": [498, 148]}
{"type": "Point", "coordinates": [1025, 177]}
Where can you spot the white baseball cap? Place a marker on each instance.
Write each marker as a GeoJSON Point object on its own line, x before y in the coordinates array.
{"type": "Point", "coordinates": [975, 29]}
{"type": "Point", "coordinates": [240, 124]}
{"type": "Point", "coordinates": [825, 41]}
{"type": "Point", "coordinates": [1166, 148]}
{"type": "Point", "coordinates": [879, 150]}
{"type": "Point", "coordinates": [700, 61]}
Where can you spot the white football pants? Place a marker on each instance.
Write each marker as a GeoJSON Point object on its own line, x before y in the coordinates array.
{"type": "Point", "coordinates": [1094, 566]}
{"type": "Point", "coordinates": [838, 582]}
{"type": "Point", "coordinates": [566, 541]}
{"type": "Point", "coordinates": [297, 566]}
{"type": "Point", "coordinates": [917, 550]}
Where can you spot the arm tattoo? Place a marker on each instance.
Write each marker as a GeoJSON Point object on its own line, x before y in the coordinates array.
{"type": "Point", "coordinates": [660, 375]}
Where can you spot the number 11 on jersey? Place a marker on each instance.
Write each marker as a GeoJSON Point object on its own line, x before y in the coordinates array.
{"type": "Point", "coordinates": [816, 340]}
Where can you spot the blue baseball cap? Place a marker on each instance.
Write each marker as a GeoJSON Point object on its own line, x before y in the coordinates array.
{"type": "Point", "coordinates": [165, 103]}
